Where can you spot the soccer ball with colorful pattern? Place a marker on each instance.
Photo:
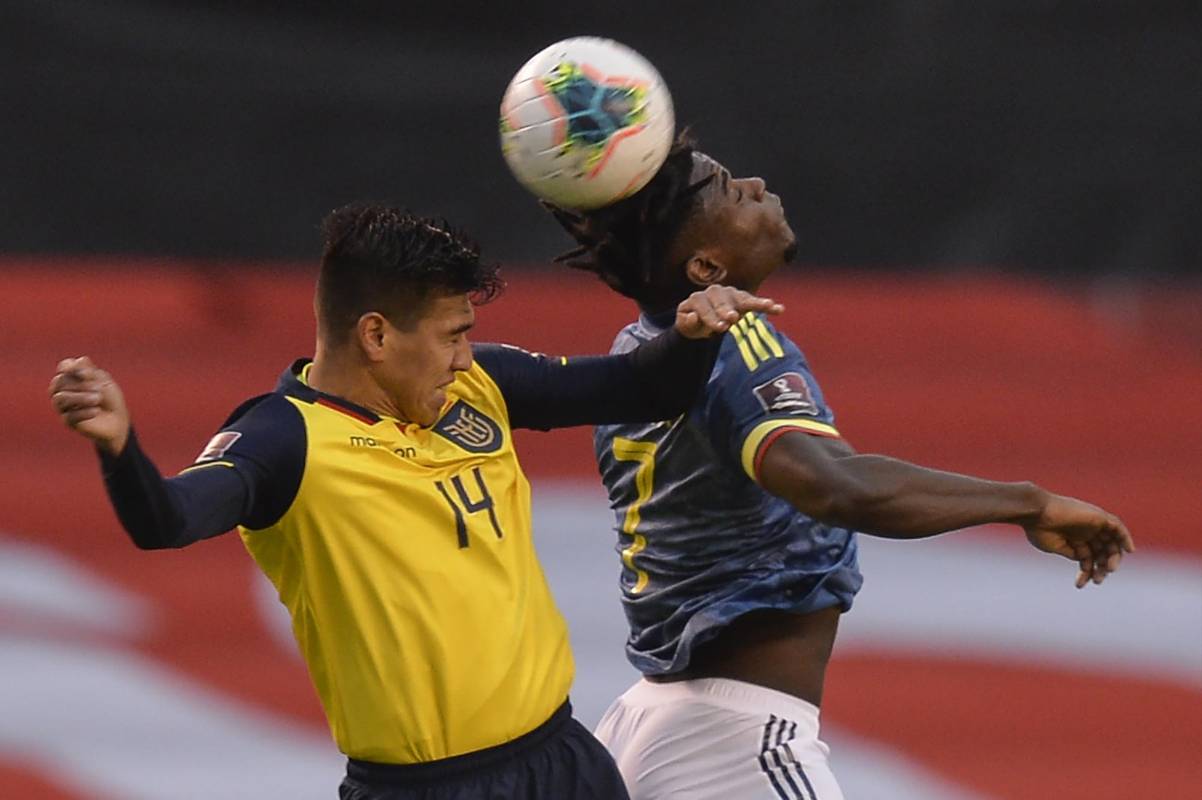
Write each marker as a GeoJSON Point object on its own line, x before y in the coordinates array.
{"type": "Point", "coordinates": [586, 122]}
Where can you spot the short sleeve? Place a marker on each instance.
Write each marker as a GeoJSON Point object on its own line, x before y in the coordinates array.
{"type": "Point", "coordinates": [762, 387]}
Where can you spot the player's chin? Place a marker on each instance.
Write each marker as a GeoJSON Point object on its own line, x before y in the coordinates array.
{"type": "Point", "coordinates": [790, 250]}
{"type": "Point", "coordinates": [789, 238]}
{"type": "Point", "coordinates": [425, 412]}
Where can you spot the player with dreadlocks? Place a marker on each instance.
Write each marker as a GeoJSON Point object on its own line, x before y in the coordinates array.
{"type": "Point", "coordinates": [737, 521]}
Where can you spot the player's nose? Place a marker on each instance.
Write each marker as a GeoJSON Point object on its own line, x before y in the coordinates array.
{"type": "Point", "coordinates": [463, 356]}
{"type": "Point", "coordinates": [756, 188]}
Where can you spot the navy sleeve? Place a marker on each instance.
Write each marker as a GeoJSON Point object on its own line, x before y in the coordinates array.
{"type": "Point", "coordinates": [248, 474]}
{"type": "Point", "coordinates": [660, 379]}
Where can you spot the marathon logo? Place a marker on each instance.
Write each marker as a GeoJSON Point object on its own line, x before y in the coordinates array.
{"type": "Point", "coordinates": [470, 429]}
{"type": "Point", "coordinates": [787, 394]}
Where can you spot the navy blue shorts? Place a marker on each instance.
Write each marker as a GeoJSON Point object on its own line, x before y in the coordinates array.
{"type": "Point", "coordinates": [558, 760]}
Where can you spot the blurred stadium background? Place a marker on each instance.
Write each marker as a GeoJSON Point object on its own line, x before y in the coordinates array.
{"type": "Point", "coordinates": [1000, 206]}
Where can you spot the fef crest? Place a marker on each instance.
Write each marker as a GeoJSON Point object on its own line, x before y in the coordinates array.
{"type": "Point", "coordinates": [470, 429]}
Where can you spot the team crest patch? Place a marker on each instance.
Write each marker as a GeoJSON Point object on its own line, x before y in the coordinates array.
{"type": "Point", "coordinates": [469, 428]}
{"type": "Point", "coordinates": [218, 445]}
{"type": "Point", "coordinates": [787, 394]}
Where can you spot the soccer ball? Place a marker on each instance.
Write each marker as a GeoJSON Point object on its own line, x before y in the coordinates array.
{"type": "Point", "coordinates": [586, 122]}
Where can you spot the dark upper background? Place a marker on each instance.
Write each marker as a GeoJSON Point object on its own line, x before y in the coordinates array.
{"type": "Point", "coordinates": [1055, 137]}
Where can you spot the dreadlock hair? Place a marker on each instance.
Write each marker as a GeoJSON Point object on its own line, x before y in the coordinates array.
{"type": "Point", "coordinates": [626, 243]}
{"type": "Point", "coordinates": [385, 259]}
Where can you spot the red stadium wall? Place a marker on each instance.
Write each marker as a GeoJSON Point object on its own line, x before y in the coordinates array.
{"type": "Point", "coordinates": [1097, 395]}
{"type": "Point", "coordinates": [1093, 395]}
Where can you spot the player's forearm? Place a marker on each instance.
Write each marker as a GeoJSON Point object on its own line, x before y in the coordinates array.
{"type": "Point", "coordinates": [895, 499]}
{"type": "Point", "coordinates": [159, 514]}
{"type": "Point", "coordinates": [657, 380]}
{"type": "Point", "coordinates": [669, 372]}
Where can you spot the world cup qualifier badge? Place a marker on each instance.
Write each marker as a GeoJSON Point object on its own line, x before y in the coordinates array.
{"type": "Point", "coordinates": [787, 393]}
{"type": "Point", "coordinates": [218, 445]}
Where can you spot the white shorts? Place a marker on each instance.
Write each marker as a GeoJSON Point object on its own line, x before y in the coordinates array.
{"type": "Point", "coordinates": [716, 738]}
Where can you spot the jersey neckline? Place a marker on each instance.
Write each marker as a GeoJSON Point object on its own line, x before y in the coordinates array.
{"type": "Point", "coordinates": [292, 384]}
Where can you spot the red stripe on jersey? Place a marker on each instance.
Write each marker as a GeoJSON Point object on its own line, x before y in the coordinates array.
{"type": "Point", "coordinates": [322, 401]}
{"type": "Point", "coordinates": [776, 434]}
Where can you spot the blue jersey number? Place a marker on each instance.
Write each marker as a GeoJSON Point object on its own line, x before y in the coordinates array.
{"type": "Point", "coordinates": [469, 505]}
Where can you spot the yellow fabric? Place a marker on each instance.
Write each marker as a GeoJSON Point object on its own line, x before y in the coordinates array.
{"type": "Point", "coordinates": [751, 444]}
{"type": "Point", "coordinates": [756, 343]}
{"type": "Point", "coordinates": [644, 478]}
{"type": "Point", "coordinates": [419, 649]}
{"type": "Point", "coordinates": [206, 465]}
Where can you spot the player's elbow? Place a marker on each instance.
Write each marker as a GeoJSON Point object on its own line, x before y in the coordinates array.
{"type": "Point", "coordinates": [143, 543]}
{"type": "Point", "coordinates": [156, 539]}
{"type": "Point", "coordinates": [833, 496]}
{"type": "Point", "coordinates": [830, 504]}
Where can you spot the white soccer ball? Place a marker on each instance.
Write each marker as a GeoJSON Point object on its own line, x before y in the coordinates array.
{"type": "Point", "coordinates": [586, 122]}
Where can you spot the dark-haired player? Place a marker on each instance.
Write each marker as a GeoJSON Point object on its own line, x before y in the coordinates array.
{"type": "Point", "coordinates": [378, 489]}
{"type": "Point", "coordinates": [737, 521]}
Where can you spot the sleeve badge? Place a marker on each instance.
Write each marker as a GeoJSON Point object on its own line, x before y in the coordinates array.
{"type": "Point", "coordinates": [218, 445]}
{"type": "Point", "coordinates": [787, 393]}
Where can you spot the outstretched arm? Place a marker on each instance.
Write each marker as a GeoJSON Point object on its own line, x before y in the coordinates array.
{"type": "Point", "coordinates": [827, 480]}
{"type": "Point", "coordinates": [211, 497]}
{"type": "Point", "coordinates": [658, 380]}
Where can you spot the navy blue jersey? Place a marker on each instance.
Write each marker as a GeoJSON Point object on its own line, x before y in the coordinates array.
{"type": "Point", "coordinates": [701, 541]}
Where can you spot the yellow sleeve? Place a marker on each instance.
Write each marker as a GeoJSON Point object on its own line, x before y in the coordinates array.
{"type": "Point", "coordinates": [768, 431]}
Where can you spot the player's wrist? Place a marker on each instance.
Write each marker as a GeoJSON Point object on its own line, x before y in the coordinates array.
{"type": "Point", "coordinates": [1032, 503]}
{"type": "Point", "coordinates": [114, 446]}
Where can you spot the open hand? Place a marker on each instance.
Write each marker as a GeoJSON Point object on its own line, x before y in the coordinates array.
{"type": "Point", "coordinates": [1094, 538]}
{"type": "Point", "coordinates": [714, 309]}
{"type": "Point", "coordinates": [90, 402]}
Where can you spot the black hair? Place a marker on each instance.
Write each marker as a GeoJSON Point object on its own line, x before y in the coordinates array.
{"type": "Point", "coordinates": [385, 259]}
{"type": "Point", "coordinates": [627, 244]}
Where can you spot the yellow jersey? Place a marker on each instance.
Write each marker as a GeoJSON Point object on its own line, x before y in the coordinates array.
{"type": "Point", "coordinates": [403, 553]}
{"type": "Point", "coordinates": [406, 562]}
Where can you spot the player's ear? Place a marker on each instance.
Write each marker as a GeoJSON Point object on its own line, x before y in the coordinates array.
{"type": "Point", "coordinates": [703, 270]}
{"type": "Point", "coordinates": [370, 332]}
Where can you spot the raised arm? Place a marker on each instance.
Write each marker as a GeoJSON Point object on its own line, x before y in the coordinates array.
{"type": "Point", "coordinates": [827, 480]}
{"type": "Point", "coordinates": [658, 380]}
{"type": "Point", "coordinates": [246, 475]}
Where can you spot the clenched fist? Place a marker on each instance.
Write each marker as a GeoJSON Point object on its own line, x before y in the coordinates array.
{"type": "Point", "coordinates": [91, 403]}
